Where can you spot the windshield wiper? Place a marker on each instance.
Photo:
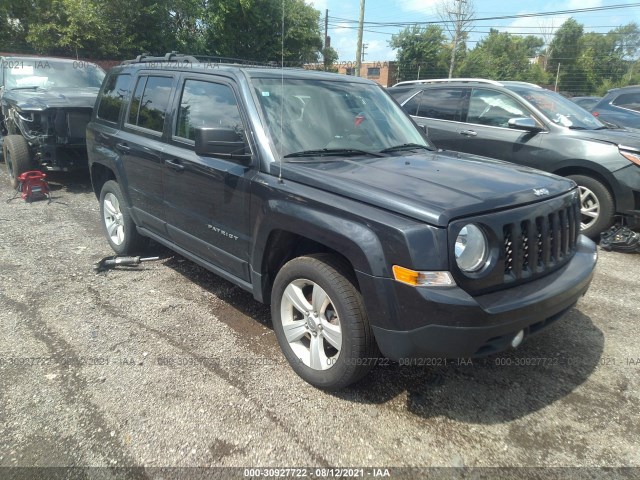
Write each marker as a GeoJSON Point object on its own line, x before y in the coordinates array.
{"type": "Point", "coordinates": [404, 146]}
{"type": "Point", "coordinates": [331, 152]}
{"type": "Point", "coordinates": [34, 87]}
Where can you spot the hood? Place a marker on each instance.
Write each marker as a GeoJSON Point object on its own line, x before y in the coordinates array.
{"type": "Point", "coordinates": [42, 99]}
{"type": "Point", "coordinates": [628, 137]}
{"type": "Point", "coordinates": [434, 187]}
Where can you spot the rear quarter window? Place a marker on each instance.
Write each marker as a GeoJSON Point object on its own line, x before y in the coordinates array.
{"type": "Point", "coordinates": [628, 100]}
{"type": "Point", "coordinates": [113, 97]}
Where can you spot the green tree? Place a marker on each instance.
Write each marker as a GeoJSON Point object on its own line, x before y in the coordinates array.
{"type": "Point", "coordinates": [565, 52]}
{"type": "Point", "coordinates": [502, 56]}
{"type": "Point", "coordinates": [420, 52]}
{"type": "Point", "coordinates": [251, 29]}
{"type": "Point", "coordinates": [329, 57]}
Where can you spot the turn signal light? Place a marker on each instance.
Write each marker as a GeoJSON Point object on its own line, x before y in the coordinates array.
{"type": "Point", "coordinates": [422, 279]}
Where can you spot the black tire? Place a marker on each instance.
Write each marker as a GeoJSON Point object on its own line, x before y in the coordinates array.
{"type": "Point", "coordinates": [15, 150]}
{"type": "Point", "coordinates": [358, 352]}
{"type": "Point", "coordinates": [595, 192]}
{"type": "Point", "coordinates": [118, 225]}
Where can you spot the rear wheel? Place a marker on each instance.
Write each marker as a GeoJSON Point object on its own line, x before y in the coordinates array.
{"type": "Point", "coordinates": [596, 206]}
{"type": "Point", "coordinates": [17, 157]}
{"type": "Point", "coordinates": [320, 322]}
{"type": "Point", "coordinates": [118, 225]}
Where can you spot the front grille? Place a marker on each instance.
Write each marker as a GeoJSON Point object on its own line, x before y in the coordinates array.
{"type": "Point", "coordinates": [537, 244]}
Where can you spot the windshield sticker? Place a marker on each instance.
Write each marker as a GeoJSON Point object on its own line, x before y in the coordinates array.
{"type": "Point", "coordinates": [22, 70]}
{"type": "Point", "coordinates": [265, 94]}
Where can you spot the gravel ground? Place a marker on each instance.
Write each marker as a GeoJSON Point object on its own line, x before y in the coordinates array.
{"type": "Point", "coordinates": [168, 365]}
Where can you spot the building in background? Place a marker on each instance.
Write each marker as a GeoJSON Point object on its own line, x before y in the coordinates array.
{"type": "Point", "coordinates": [384, 73]}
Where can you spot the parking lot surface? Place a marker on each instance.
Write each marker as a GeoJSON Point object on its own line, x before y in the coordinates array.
{"type": "Point", "coordinates": [167, 365]}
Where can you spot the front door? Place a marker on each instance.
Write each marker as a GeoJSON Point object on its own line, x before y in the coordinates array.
{"type": "Point", "coordinates": [207, 198]}
{"type": "Point", "coordinates": [486, 131]}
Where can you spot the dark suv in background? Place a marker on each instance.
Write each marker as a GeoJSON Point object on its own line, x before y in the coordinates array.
{"type": "Point", "coordinates": [318, 194]}
{"type": "Point", "coordinates": [620, 106]}
{"type": "Point", "coordinates": [46, 104]}
{"type": "Point", "coordinates": [528, 125]}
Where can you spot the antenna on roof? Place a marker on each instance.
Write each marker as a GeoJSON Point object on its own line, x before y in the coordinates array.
{"type": "Point", "coordinates": [281, 95]}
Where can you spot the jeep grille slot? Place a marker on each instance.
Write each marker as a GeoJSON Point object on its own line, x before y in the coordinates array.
{"type": "Point", "coordinates": [538, 244]}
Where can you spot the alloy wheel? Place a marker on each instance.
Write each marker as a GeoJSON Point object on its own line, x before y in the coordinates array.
{"type": "Point", "coordinates": [589, 208]}
{"type": "Point", "coordinates": [113, 219]}
{"type": "Point", "coordinates": [311, 324]}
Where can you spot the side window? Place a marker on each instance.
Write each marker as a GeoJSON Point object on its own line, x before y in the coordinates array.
{"type": "Point", "coordinates": [411, 107]}
{"type": "Point", "coordinates": [628, 100]}
{"type": "Point", "coordinates": [149, 102]}
{"type": "Point", "coordinates": [441, 103]}
{"type": "Point", "coordinates": [487, 107]}
{"type": "Point", "coordinates": [112, 98]}
{"type": "Point", "coordinates": [206, 104]}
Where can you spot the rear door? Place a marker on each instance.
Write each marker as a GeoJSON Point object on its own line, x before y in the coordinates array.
{"type": "Point", "coordinates": [440, 110]}
{"type": "Point", "coordinates": [207, 198]}
{"type": "Point", "coordinates": [140, 144]}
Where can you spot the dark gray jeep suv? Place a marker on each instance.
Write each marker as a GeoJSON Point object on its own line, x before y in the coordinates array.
{"type": "Point", "coordinates": [528, 125]}
{"type": "Point", "coordinates": [318, 194]}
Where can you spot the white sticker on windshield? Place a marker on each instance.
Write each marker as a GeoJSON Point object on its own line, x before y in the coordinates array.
{"type": "Point", "coordinates": [265, 94]}
{"type": "Point", "coordinates": [22, 70]}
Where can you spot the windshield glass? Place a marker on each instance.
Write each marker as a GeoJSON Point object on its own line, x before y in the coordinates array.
{"type": "Point", "coordinates": [40, 73]}
{"type": "Point", "coordinates": [560, 110]}
{"type": "Point", "coordinates": [316, 115]}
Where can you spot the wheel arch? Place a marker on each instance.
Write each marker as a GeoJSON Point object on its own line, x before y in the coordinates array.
{"type": "Point", "coordinates": [100, 174]}
{"type": "Point", "coordinates": [359, 248]}
{"type": "Point", "coordinates": [595, 172]}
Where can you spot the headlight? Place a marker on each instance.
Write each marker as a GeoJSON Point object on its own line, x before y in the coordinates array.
{"type": "Point", "coordinates": [471, 248]}
{"type": "Point", "coordinates": [631, 156]}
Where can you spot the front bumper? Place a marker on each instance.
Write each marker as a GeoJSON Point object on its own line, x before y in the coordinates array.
{"type": "Point", "coordinates": [450, 323]}
{"type": "Point", "coordinates": [628, 194]}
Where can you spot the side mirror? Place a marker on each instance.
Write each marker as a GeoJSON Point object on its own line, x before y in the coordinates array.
{"type": "Point", "coordinates": [524, 123]}
{"type": "Point", "coordinates": [221, 142]}
{"type": "Point", "coordinates": [424, 129]}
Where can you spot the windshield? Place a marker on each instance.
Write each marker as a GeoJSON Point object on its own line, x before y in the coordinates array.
{"type": "Point", "coordinates": [312, 117]}
{"type": "Point", "coordinates": [560, 110]}
{"type": "Point", "coordinates": [39, 73]}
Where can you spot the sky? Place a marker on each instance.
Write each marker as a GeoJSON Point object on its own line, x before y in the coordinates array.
{"type": "Point", "coordinates": [343, 35]}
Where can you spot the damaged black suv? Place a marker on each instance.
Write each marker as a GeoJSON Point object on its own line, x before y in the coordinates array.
{"type": "Point", "coordinates": [46, 106]}
{"type": "Point", "coordinates": [319, 195]}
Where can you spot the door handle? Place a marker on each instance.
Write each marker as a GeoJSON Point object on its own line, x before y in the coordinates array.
{"type": "Point", "coordinates": [468, 133]}
{"type": "Point", "coordinates": [174, 164]}
{"type": "Point", "coordinates": [123, 147]}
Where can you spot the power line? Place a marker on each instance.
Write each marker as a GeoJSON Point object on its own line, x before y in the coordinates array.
{"type": "Point", "coordinates": [501, 17]}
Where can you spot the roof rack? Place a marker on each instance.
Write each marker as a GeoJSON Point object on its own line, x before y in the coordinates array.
{"type": "Point", "coordinates": [168, 58]}
{"type": "Point", "coordinates": [524, 84]}
{"type": "Point", "coordinates": [175, 57]}
{"type": "Point", "coordinates": [448, 80]}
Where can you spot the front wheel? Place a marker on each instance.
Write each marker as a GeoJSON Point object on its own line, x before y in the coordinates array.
{"type": "Point", "coordinates": [17, 157]}
{"type": "Point", "coordinates": [118, 225]}
{"type": "Point", "coordinates": [320, 322]}
{"type": "Point", "coordinates": [596, 206]}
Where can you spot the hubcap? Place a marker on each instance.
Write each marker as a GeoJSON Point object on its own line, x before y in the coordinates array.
{"type": "Point", "coordinates": [311, 324]}
{"type": "Point", "coordinates": [589, 208]}
{"type": "Point", "coordinates": [113, 219]}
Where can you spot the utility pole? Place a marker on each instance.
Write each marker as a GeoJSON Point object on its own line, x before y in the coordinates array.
{"type": "Point", "coordinates": [557, 77]}
{"type": "Point", "coordinates": [364, 49]}
{"type": "Point", "coordinates": [456, 35]}
{"type": "Point", "coordinates": [359, 48]}
{"type": "Point", "coordinates": [326, 37]}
